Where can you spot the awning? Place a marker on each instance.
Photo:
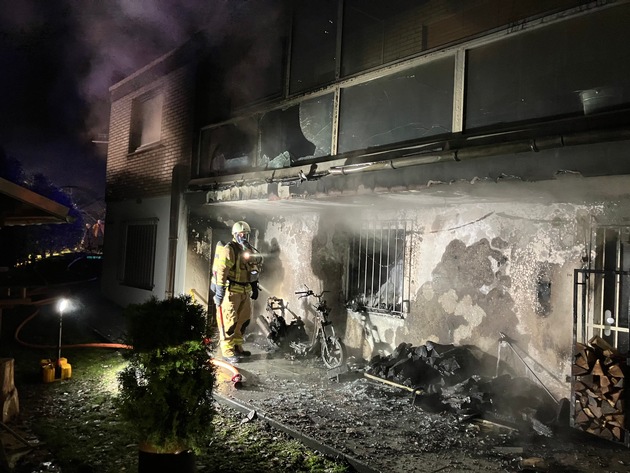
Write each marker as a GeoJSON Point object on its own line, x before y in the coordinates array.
{"type": "Point", "coordinates": [21, 206]}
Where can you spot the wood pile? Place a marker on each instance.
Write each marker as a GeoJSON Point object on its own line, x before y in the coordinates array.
{"type": "Point", "coordinates": [599, 372]}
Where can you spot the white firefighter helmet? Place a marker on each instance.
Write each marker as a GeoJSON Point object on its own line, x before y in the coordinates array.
{"type": "Point", "coordinates": [241, 227]}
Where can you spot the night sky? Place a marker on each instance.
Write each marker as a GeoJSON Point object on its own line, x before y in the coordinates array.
{"type": "Point", "coordinates": [58, 59]}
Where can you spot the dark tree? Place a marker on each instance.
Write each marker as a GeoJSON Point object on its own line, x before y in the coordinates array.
{"type": "Point", "coordinates": [10, 168]}
{"type": "Point", "coordinates": [24, 242]}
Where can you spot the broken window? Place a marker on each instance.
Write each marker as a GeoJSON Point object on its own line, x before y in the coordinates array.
{"type": "Point", "coordinates": [574, 71]}
{"type": "Point", "coordinates": [376, 269]}
{"type": "Point", "coordinates": [228, 147]}
{"type": "Point", "coordinates": [412, 104]}
{"type": "Point", "coordinates": [138, 254]}
{"type": "Point", "coordinates": [299, 132]}
{"type": "Point", "coordinates": [146, 121]}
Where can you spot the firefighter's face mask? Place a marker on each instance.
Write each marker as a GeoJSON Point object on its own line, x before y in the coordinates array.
{"type": "Point", "coordinates": [241, 238]}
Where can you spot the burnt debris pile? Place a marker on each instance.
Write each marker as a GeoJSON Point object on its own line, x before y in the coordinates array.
{"type": "Point", "coordinates": [459, 379]}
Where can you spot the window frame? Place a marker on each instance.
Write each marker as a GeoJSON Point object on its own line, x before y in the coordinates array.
{"type": "Point", "coordinates": [139, 121]}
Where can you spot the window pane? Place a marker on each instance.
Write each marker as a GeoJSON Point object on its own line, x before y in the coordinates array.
{"type": "Point", "coordinates": [299, 132]}
{"type": "Point", "coordinates": [146, 121]}
{"type": "Point", "coordinates": [377, 32]}
{"type": "Point", "coordinates": [313, 47]}
{"type": "Point", "coordinates": [408, 105]}
{"type": "Point", "coordinates": [256, 67]}
{"type": "Point", "coordinates": [228, 147]}
{"type": "Point", "coordinates": [246, 66]}
{"type": "Point", "coordinates": [151, 120]}
{"type": "Point", "coordinates": [578, 66]}
{"type": "Point", "coordinates": [449, 22]}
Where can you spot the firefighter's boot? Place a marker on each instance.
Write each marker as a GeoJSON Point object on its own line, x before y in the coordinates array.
{"type": "Point", "coordinates": [231, 356]}
{"type": "Point", "coordinates": [238, 349]}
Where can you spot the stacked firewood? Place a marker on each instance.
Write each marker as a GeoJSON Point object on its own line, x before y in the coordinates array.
{"type": "Point", "coordinates": [599, 372]}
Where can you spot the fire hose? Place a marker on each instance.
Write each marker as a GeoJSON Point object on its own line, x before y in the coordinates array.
{"type": "Point", "coordinates": [236, 379]}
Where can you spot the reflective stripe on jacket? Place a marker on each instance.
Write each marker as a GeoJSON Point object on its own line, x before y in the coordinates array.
{"type": "Point", "coordinates": [230, 268]}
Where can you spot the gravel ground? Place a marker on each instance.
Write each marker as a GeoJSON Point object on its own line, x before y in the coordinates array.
{"type": "Point", "coordinates": [387, 429]}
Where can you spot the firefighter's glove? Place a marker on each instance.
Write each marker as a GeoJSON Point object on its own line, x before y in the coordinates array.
{"type": "Point", "coordinates": [219, 292]}
{"type": "Point", "coordinates": [254, 290]}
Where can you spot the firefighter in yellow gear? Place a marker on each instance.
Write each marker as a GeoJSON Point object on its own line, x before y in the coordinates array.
{"type": "Point", "coordinates": [235, 273]}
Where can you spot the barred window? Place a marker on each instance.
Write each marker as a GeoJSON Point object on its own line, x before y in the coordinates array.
{"type": "Point", "coordinates": [139, 253]}
{"type": "Point", "coordinates": [610, 286]}
{"type": "Point", "coordinates": [377, 266]}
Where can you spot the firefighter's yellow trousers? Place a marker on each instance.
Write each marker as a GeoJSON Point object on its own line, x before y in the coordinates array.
{"type": "Point", "coordinates": [232, 319]}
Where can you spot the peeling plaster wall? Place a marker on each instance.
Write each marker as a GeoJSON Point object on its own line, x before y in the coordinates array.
{"type": "Point", "coordinates": [300, 252]}
{"type": "Point", "coordinates": [484, 270]}
{"type": "Point", "coordinates": [477, 270]}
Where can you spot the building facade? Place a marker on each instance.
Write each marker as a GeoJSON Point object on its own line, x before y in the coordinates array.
{"type": "Point", "coordinates": [448, 173]}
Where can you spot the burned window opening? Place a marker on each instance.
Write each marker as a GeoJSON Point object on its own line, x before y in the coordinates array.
{"type": "Point", "coordinates": [376, 269]}
{"type": "Point", "coordinates": [146, 121]}
{"type": "Point", "coordinates": [228, 147]}
{"type": "Point", "coordinates": [377, 33]}
{"type": "Point", "coordinates": [296, 133]}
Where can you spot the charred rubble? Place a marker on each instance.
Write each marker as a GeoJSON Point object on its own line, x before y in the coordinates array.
{"type": "Point", "coordinates": [457, 379]}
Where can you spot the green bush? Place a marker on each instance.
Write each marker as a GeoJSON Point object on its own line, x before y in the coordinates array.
{"type": "Point", "coordinates": [166, 389]}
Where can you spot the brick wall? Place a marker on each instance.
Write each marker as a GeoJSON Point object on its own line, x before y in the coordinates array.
{"type": "Point", "coordinates": [147, 173]}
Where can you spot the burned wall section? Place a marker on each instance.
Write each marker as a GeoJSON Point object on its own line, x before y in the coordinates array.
{"type": "Point", "coordinates": [477, 273]}
{"type": "Point", "coordinates": [485, 260]}
{"type": "Point", "coordinates": [304, 251]}
{"type": "Point", "coordinates": [474, 272]}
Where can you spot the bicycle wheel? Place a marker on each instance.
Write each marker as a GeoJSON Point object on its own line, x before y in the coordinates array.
{"type": "Point", "coordinates": [333, 352]}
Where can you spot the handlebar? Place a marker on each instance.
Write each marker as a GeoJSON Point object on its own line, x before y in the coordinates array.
{"type": "Point", "coordinates": [310, 293]}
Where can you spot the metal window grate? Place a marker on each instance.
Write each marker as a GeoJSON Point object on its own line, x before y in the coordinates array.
{"type": "Point", "coordinates": [593, 316]}
{"type": "Point", "coordinates": [601, 336]}
{"type": "Point", "coordinates": [139, 254]}
{"type": "Point", "coordinates": [377, 263]}
{"type": "Point", "coordinates": [608, 287]}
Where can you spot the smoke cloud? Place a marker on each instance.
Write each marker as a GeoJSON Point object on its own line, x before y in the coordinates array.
{"type": "Point", "coordinates": [58, 60]}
